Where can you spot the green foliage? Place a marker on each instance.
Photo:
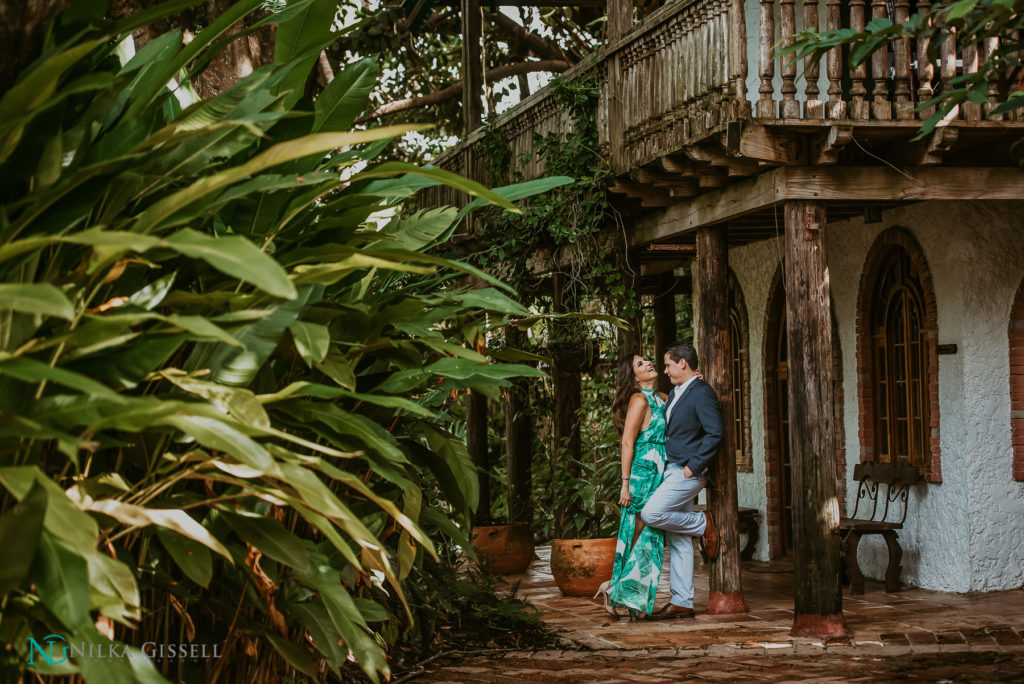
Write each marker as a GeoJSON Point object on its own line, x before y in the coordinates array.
{"type": "Point", "coordinates": [969, 23]}
{"type": "Point", "coordinates": [224, 393]}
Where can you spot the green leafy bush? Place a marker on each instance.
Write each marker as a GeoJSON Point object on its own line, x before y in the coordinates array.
{"type": "Point", "coordinates": [225, 381]}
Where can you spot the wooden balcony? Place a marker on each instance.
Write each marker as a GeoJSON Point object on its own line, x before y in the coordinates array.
{"type": "Point", "coordinates": [694, 100]}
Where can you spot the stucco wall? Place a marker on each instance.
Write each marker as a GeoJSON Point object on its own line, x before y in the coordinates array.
{"type": "Point", "coordinates": [967, 533]}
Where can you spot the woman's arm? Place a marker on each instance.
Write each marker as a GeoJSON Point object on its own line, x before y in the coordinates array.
{"type": "Point", "coordinates": [635, 415]}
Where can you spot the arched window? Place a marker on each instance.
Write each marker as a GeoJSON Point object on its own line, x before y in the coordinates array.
{"type": "Point", "coordinates": [899, 403]}
{"type": "Point", "coordinates": [899, 370]}
{"type": "Point", "coordinates": [738, 336]}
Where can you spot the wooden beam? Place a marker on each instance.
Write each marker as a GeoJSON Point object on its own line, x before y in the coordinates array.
{"type": "Point", "coordinates": [620, 18]}
{"type": "Point", "coordinates": [735, 200]}
{"type": "Point", "coordinates": [818, 598]}
{"type": "Point", "coordinates": [648, 196]}
{"type": "Point", "coordinates": [472, 66]}
{"type": "Point", "coordinates": [713, 341]}
{"type": "Point", "coordinates": [940, 142]}
{"type": "Point", "coordinates": [769, 144]}
{"type": "Point", "coordinates": [838, 137]}
{"type": "Point", "coordinates": [830, 183]}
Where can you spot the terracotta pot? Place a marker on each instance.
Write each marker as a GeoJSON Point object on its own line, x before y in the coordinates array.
{"type": "Point", "coordinates": [581, 565]}
{"type": "Point", "coordinates": [504, 549]}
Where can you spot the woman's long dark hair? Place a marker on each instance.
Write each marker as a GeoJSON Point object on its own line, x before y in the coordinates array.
{"type": "Point", "coordinates": [625, 387]}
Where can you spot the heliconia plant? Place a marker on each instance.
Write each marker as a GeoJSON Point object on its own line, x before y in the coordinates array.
{"type": "Point", "coordinates": [225, 381]}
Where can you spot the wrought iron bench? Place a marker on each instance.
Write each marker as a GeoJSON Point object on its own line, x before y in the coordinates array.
{"type": "Point", "coordinates": [748, 524]}
{"type": "Point", "coordinates": [882, 492]}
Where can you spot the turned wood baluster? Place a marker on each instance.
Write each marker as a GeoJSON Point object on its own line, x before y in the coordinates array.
{"type": "Point", "coordinates": [881, 107]}
{"type": "Point", "coordinates": [790, 106]}
{"type": "Point", "coordinates": [925, 68]}
{"type": "Point", "coordinates": [738, 55]}
{"type": "Point", "coordinates": [947, 64]}
{"type": "Point", "coordinates": [836, 107]}
{"type": "Point", "coordinates": [858, 104]}
{"type": "Point", "coordinates": [766, 60]}
{"type": "Point", "coordinates": [991, 45]}
{"type": "Point", "coordinates": [813, 107]}
{"type": "Point", "coordinates": [972, 110]}
{"type": "Point", "coordinates": [901, 56]}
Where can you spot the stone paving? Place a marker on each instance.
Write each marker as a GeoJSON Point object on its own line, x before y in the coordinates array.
{"type": "Point", "coordinates": [913, 635]}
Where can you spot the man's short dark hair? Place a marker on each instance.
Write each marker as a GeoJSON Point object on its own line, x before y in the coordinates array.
{"type": "Point", "coordinates": [684, 351]}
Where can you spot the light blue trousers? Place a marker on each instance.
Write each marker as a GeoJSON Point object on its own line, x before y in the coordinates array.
{"type": "Point", "coordinates": [670, 508]}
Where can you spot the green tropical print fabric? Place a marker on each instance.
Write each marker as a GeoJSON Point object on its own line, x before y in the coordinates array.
{"type": "Point", "coordinates": [638, 566]}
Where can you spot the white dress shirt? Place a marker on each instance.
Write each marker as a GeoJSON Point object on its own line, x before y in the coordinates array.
{"type": "Point", "coordinates": [675, 397]}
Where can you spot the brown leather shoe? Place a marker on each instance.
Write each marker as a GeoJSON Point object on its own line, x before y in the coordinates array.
{"type": "Point", "coordinates": [710, 536]}
{"type": "Point", "coordinates": [671, 611]}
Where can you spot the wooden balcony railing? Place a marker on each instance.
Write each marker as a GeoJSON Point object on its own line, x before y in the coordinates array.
{"type": "Point", "coordinates": [675, 80]}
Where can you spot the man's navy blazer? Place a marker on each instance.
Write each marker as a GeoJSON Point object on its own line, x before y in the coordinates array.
{"type": "Point", "coordinates": [694, 428]}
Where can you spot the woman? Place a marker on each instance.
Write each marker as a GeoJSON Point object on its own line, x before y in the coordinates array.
{"type": "Point", "coordinates": [638, 412]}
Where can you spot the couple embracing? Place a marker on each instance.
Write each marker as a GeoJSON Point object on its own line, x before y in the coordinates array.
{"type": "Point", "coordinates": [668, 443]}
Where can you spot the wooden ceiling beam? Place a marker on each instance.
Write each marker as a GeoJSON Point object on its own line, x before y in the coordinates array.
{"type": "Point", "coordinates": [844, 184]}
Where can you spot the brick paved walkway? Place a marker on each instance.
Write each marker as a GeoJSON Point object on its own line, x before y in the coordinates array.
{"type": "Point", "coordinates": [910, 635]}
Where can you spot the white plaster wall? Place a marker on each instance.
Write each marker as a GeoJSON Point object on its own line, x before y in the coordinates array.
{"type": "Point", "coordinates": [967, 533]}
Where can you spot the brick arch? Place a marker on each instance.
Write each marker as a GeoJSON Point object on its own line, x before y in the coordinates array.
{"type": "Point", "coordinates": [737, 303]}
{"type": "Point", "coordinates": [774, 316]}
{"type": "Point", "coordinates": [1016, 332]}
{"type": "Point", "coordinates": [891, 239]}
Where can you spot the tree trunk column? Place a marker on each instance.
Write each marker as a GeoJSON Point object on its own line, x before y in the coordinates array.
{"type": "Point", "coordinates": [726, 590]}
{"type": "Point", "coordinates": [476, 444]}
{"type": "Point", "coordinates": [818, 595]}
{"type": "Point", "coordinates": [518, 440]}
{"type": "Point", "coordinates": [472, 65]}
{"type": "Point", "coordinates": [664, 327]}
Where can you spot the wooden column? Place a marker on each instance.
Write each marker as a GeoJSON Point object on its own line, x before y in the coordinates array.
{"type": "Point", "coordinates": [518, 439]}
{"type": "Point", "coordinates": [901, 62]}
{"type": "Point", "coordinates": [818, 593]}
{"type": "Point", "coordinates": [836, 107]}
{"type": "Point", "coordinates": [620, 18]}
{"type": "Point", "coordinates": [813, 107]}
{"type": "Point", "coordinates": [766, 60]}
{"type": "Point", "coordinates": [881, 106]}
{"type": "Point", "coordinates": [567, 389]}
{"type": "Point", "coordinates": [713, 348]}
{"type": "Point", "coordinates": [665, 334]}
{"type": "Point", "coordinates": [476, 444]}
{"type": "Point", "coordinates": [790, 108]}
{"type": "Point", "coordinates": [859, 108]}
{"type": "Point", "coordinates": [472, 65]}
{"type": "Point", "coordinates": [738, 57]}
{"type": "Point", "coordinates": [925, 67]}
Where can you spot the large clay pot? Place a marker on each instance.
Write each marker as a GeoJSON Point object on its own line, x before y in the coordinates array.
{"type": "Point", "coordinates": [504, 549]}
{"type": "Point", "coordinates": [581, 565]}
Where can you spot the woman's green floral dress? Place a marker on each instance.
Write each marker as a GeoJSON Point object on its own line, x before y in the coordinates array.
{"type": "Point", "coordinates": [637, 569]}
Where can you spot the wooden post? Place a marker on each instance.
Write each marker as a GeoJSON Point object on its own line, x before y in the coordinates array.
{"type": "Point", "coordinates": [738, 55]}
{"type": "Point", "coordinates": [665, 334]}
{"type": "Point", "coordinates": [620, 18]}
{"type": "Point", "coordinates": [567, 389]}
{"type": "Point", "coordinates": [813, 107]}
{"type": "Point", "coordinates": [472, 65]}
{"type": "Point", "coordinates": [859, 108]}
{"type": "Point", "coordinates": [476, 445]}
{"type": "Point", "coordinates": [836, 108]}
{"type": "Point", "coordinates": [518, 439]}
{"type": "Point", "coordinates": [925, 68]}
{"type": "Point", "coordinates": [901, 63]}
{"type": "Point", "coordinates": [947, 64]}
{"type": "Point", "coordinates": [726, 591]}
{"type": "Point", "coordinates": [881, 107]}
{"type": "Point", "coordinates": [790, 108]}
{"type": "Point", "coordinates": [766, 60]}
{"type": "Point", "coordinates": [818, 593]}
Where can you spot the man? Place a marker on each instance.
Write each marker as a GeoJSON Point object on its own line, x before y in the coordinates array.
{"type": "Point", "coordinates": [692, 434]}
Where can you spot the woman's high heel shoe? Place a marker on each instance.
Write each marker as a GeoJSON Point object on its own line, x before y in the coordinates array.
{"type": "Point", "coordinates": [608, 607]}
